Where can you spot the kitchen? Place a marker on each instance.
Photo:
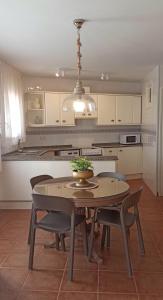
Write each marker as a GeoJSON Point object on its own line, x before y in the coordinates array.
{"type": "Point", "coordinates": [121, 78]}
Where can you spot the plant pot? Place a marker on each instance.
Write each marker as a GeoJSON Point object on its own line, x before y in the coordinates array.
{"type": "Point", "coordinates": [82, 177]}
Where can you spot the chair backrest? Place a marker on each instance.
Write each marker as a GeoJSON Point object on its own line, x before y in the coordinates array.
{"type": "Point", "coordinates": [112, 174]}
{"type": "Point", "coordinates": [52, 203]}
{"type": "Point", "coordinates": [131, 201]}
{"type": "Point", "coordinates": [37, 179]}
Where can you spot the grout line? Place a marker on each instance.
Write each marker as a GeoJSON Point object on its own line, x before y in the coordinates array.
{"type": "Point", "coordinates": [64, 271]}
{"type": "Point", "coordinates": [98, 281]}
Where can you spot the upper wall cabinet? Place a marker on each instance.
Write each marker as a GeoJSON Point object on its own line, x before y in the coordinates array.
{"type": "Point", "coordinates": [128, 110]}
{"type": "Point", "coordinates": [67, 117]}
{"type": "Point", "coordinates": [54, 114]}
{"type": "Point", "coordinates": [119, 110]}
{"type": "Point", "coordinates": [35, 109]}
{"type": "Point", "coordinates": [88, 115]}
{"type": "Point", "coordinates": [106, 109]}
{"type": "Point", "coordinates": [52, 109]}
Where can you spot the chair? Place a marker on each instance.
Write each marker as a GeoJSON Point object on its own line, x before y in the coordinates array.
{"type": "Point", "coordinates": [113, 175]}
{"type": "Point", "coordinates": [61, 219]}
{"type": "Point", "coordinates": [116, 206]}
{"type": "Point", "coordinates": [123, 219]}
{"type": "Point", "coordinates": [33, 182]}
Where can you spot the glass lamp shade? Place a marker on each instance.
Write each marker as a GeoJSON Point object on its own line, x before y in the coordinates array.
{"type": "Point", "coordinates": [79, 103]}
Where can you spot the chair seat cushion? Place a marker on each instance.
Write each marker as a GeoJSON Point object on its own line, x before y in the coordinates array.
{"type": "Point", "coordinates": [59, 221]}
{"type": "Point", "coordinates": [105, 216]}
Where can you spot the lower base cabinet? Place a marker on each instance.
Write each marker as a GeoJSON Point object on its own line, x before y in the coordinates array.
{"type": "Point", "coordinates": [129, 159]}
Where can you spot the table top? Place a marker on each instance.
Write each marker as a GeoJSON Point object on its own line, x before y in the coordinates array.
{"type": "Point", "coordinates": [109, 191]}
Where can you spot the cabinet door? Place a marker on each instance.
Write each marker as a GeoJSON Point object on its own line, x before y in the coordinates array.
{"type": "Point", "coordinates": [88, 115]}
{"type": "Point", "coordinates": [136, 109]}
{"type": "Point", "coordinates": [130, 160]}
{"type": "Point", "coordinates": [124, 110]}
{"type": "Point", "coordinates": [110, 151]}
{"type": "Point", "coordinates": [52, 109]}
{"type": "Point", "coordinates": [67, 117]}
{"type": "Point", "coordinates": [106, 109]}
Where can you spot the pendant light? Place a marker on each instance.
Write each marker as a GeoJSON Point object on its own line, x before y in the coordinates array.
{"type": "Point", "coordinates": [78, 101]}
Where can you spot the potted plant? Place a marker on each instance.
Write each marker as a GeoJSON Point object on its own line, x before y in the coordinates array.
{"type": "Point", "coordinates": [82, 170]}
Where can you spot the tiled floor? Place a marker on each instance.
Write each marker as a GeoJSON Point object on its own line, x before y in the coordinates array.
{"type": "Point", "coordinates": [109, 281]}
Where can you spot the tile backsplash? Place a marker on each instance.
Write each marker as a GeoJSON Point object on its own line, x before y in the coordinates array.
{"type": "Point", "coordinates": [84, 134]}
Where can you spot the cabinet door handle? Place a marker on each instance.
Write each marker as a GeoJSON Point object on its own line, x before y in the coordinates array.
{"type": "Point", "coordinates": [64, 121]}
{"type": "Point", "coordinates": [89, 114]}
{"type": "Point", "coordinates": [120, 150]}
{"type": "Point", "coordinates": [119, 120]}
{"type": "Point", "coordinates": [113, 120]}
{"type": "Point", "coordinates": [57, 121]}
{"type": "Point", "coordinates": [110, 151]}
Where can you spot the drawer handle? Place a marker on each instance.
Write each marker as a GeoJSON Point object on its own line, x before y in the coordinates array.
{"type": "Point", "coordinates": [89, 114]}
{"type": "Point", "coordinates": [119, 120]}
{"type": "Point", "coordinates": [57, 121]}
{"type": "Point", "coordinates": [64, 121]}
{"type": "Point", "coordinates": [120, 150]}
{"type": "Point", "coordinates": [112, 120]}
{"type": "Point", "coordinates": [110, 151]}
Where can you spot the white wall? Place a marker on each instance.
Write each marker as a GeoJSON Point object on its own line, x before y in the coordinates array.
{"type": "Point", "coordinates": [149, 129]}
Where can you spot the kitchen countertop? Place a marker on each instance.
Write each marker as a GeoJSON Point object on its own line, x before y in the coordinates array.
{"type": "Point", "coordinates": [47, 153]}
{"type": "Point", "coordinates": [114, 145]}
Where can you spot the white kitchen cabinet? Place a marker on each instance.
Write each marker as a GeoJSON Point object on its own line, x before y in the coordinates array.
{"type": "Point", "coordinates": [67, 117]}
{"type": "Point", "coordinates": [88, 115]}
{"type": "Point", "coordinates": [106, 110]}
{"type": "Point", "coordinates": [129, 159]}
{"type": "Point", "coordinates": [52, 109]}
{"type": "Point", "coordinates": [35, 109]}
{"type": "Point", "coordinates": [128, 110]}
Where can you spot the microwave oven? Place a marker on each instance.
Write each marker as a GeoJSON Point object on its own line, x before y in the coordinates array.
{"type": "Point", "coordinates": [127, 139]}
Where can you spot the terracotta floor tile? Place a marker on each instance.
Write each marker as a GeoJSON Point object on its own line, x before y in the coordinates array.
{"type": "Point", "coordinates": [150, 297]}
{"type": "Point", "coordinates": [147, 264]}
{"type": "Point", "coordinates": [105, 296]}
{"type": "Point", "coordinates": [43, 280]}
{"type": "Point", "coordinates": [55, 260]}
{"type": "Point", "coordinates": [116, 282]}
{"type": "Point", "coordinates": [25, 295]}
{"type": "Point", "coordinates": [149, 283]}
{"type": "Point", "coordinates": [113, 263]}
{"type": "Point", "coordinates": [83, 281]}
{"type": "Point", "coordinates": [81, 262]}
{"type": "Point", "coordinates": [77, 296]}
{"type": "Point", "coordinates": [12, 279]}
{"type": "Point", "coordinates": [16, 260]}
{"type": "Point", "coordinates": [8, 295]}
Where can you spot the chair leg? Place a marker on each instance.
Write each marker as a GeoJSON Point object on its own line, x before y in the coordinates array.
{"type": "Point", "coordinates": [140, 237]}
{"type": "Point", "coordinates": [32, 245]}
{"type": "Point", "coordinates": [103, 236]}
{"type": "Point", "coordinates": [107, 235]}
{"type": "Point", "coordinates": [30, 228]}
{"type": "Point", "coordinates": [91, 240]}
{"type": "Point", "coordinates": [71, 255]}
{"type": "Point", "coordinates": [85, 239]}
{"type": "Point", "coordinates": [62, 242]}
{"type": "Point", "coordinates": [125, 241]}
{"type": "Point", "coordinates": [57, 241]}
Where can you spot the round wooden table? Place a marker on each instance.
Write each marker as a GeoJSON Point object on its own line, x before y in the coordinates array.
{"type": "Point", "coordinates": [109, 191]}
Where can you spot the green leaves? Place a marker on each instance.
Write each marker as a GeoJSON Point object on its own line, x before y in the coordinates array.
{"type": "Point", "coordinates": [81, 164]}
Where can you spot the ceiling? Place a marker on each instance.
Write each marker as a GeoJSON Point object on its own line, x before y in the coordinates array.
{"type": "Point", "coordinates": [121, 37]}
